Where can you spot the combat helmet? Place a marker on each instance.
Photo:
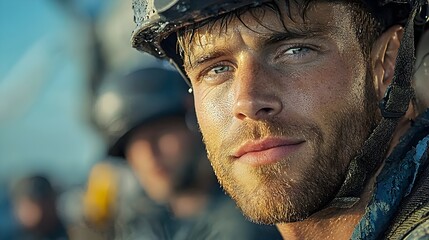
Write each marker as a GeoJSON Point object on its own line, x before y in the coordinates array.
{"type": "Point", "coordinates": [124, 103]}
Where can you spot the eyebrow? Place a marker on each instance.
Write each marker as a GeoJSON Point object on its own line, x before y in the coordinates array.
{"type": "Point", "coordinates": [267, 39]}
{"type": "Point", "coordinates": [296, 33]}
{"type": "Point", "coordinates": [204, 58]}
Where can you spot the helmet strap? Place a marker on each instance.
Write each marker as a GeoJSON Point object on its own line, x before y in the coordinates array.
{"type": "Point", "coordinates": [393, 106]}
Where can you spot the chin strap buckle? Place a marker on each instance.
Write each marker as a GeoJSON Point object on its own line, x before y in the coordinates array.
{"type": "Point", "coordinates": [393, 105]}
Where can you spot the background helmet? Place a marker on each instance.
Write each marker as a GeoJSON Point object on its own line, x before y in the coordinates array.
{"type": "Point", "coordinates": [123, 104]}
{"type": "Point", "coordinates": [37, 188]}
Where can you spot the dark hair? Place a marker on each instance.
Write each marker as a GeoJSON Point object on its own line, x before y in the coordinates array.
{"type": "Point", "coordinates": [367, 26]}
{"type": "Point", "coordinates": [37, 188]}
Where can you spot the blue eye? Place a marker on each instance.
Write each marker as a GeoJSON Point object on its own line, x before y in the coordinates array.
{"type": "Point", "coordinates": [221, 69]}
{"type": "Point", "coordinates": [295, 54]}
{"type": "Point", "coordinates": [217, 74]}
{"type": "Point", "coordinates": [297, 50]}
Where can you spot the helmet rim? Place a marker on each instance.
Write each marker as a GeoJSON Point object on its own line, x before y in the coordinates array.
{"type": "Point", "coordinates": [157, 25]}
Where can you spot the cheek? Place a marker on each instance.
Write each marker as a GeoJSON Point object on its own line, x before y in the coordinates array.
{"type": "Point", "coordinates": [214, 112]}
{"type": "Point", "coordinates": [176, 149]}
{"type": "Point", "coordinates": [139, 158]}
{"type": "Point", "coordinates": [170, 145]}
{"type": "Point", "coordinates": [29, 214]}
{"type": "Point", "coordinates": [332, 87]}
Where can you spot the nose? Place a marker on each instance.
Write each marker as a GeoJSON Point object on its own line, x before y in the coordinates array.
{"type": "Point", "coordinates": [255, 92]}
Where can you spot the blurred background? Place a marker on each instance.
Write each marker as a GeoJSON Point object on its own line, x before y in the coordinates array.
{"type": "Point", "coordinates": [53, 56]}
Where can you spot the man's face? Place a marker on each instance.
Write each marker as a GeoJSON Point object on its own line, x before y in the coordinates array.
{"type": "Point", "coordinates": [28, 212]}
{"type": "Point", "coordinates": [161, 154]}
{"type": "Point", "coordinates": [282, 112]}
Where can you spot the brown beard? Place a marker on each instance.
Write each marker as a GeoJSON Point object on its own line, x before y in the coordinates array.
{"type": "Point", "coordinates": [297, 186]}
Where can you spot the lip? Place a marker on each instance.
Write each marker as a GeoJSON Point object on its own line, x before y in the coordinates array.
{"type": "Point", "coordinates": [267, 150]}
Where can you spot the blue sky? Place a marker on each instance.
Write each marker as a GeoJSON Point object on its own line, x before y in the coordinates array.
{"type": "Point", "coordinates": [44, 101]}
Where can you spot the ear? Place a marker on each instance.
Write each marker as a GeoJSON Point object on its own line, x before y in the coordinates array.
{"type": "Point", "coordinates": [383, 58]}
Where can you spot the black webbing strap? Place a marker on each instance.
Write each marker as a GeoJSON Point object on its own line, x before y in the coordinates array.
{"type": "Point", "coordinates": [393, 106]}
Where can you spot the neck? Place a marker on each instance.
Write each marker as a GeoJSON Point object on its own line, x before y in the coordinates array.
{"type": "Point", "coordinates": [330, 223]}
{"type": "Point", "coordinates": [339, 223]}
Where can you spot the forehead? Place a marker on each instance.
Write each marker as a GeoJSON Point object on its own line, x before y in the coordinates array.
{"type": "Point", "coordinates": [319, 18]}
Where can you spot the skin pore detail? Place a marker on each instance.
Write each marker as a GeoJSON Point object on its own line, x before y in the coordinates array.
{"type": "Point", "coordinates": [308, 109]}
{"type": "Point", "coordinates": [277, 92]}
{"type": "Point", "coordinates": [255, 83]}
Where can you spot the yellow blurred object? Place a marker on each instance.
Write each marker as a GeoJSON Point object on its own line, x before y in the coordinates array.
{"type": "Point", "coordinates": [100, 198]}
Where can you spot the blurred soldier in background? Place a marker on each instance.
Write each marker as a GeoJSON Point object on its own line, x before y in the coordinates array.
{"type": "Point", "coordinates": [149, 120]}
{"type": "Point", "coordinates": [36, 210]}
{"type": "Point", "coordinates": [9, 226]}
{"type": "Point", "coordinates": [99, 201]}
